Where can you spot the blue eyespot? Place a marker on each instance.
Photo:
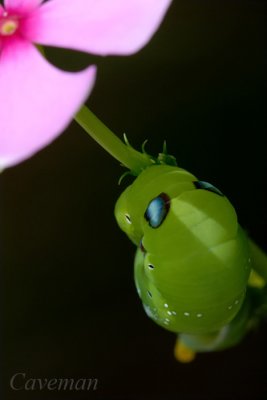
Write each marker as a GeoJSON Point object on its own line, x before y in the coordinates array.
{"type": "Point", "coordinates": [157, 210]}
{"type": "Point", "coordinates": [207, 186]}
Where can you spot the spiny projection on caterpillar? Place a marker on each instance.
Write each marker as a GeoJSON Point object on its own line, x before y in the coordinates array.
{"type": "Point", "coordinates": [194, 267]}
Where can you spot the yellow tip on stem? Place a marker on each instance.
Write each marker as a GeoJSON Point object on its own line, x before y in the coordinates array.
{"type": "Point", "coordinates": [182, 353]}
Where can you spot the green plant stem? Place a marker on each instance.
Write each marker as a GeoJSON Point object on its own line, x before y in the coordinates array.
{"type": "Point", "coordinates": [129, 157]}
{"type": "Point", "coordinates": [259, 260]}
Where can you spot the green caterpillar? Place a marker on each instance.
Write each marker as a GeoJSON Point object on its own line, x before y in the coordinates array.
{"type": "Point", "coordinates": [193, 260]}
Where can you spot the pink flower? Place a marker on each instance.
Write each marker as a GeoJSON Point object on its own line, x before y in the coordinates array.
{"type": "Point", "coordinates": [37, 100]}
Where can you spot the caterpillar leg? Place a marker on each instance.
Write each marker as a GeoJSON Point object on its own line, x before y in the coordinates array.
{"type": "Point", "coordinates": [182, 353]}
{"type": "Point", "coordinates": [259, 260]}
{"type": "Point", "coordinates": [255, 280]}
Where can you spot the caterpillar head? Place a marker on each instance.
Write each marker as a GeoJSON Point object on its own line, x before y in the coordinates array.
{"type": "Point", "coordinates": [132, 204]}
{"type": "Point", "coordinates": [192, 263]}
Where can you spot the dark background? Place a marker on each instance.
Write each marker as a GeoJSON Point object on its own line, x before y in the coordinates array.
{"type": "Point", "coordinates": [69, 306]}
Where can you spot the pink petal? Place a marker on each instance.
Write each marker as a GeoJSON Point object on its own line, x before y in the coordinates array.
{"type": "Point", "coordinates": [99, 26]}
{"type": "Point", "coordinates": [1, 12]}
{"type": "Point", "coordinates": [37, 101]}
{"type": "Point", "coordinates": [21, 4]}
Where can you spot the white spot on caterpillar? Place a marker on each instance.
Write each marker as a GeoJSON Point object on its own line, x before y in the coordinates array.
{"type": "Point", "coordinates": [186, 314]}
{"type": "Point", "coordinates": [152, 313]}
{"type": "Point", "coordinates": [166, 322]}
{"type": "Point", "coordinates": [174, 312]}
{"type": "Point", "coordinates": [199, 315]}
{"type": "Point", "coordinates": [167, 319]}
{"type": "Point", "coordinates": [148, 311]}
{"type": "Point", "coordinates": [237, 301]}
{"type": "Point", "coordinates": [230, 307]}
{"type": "Point", "coordinates": [166, 305]}
{"type": "Point", "coordinates": [169, 312]}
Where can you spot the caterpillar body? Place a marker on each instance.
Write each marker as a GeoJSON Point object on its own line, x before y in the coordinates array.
{"type": "Point", "coordinates": [193, 260]}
